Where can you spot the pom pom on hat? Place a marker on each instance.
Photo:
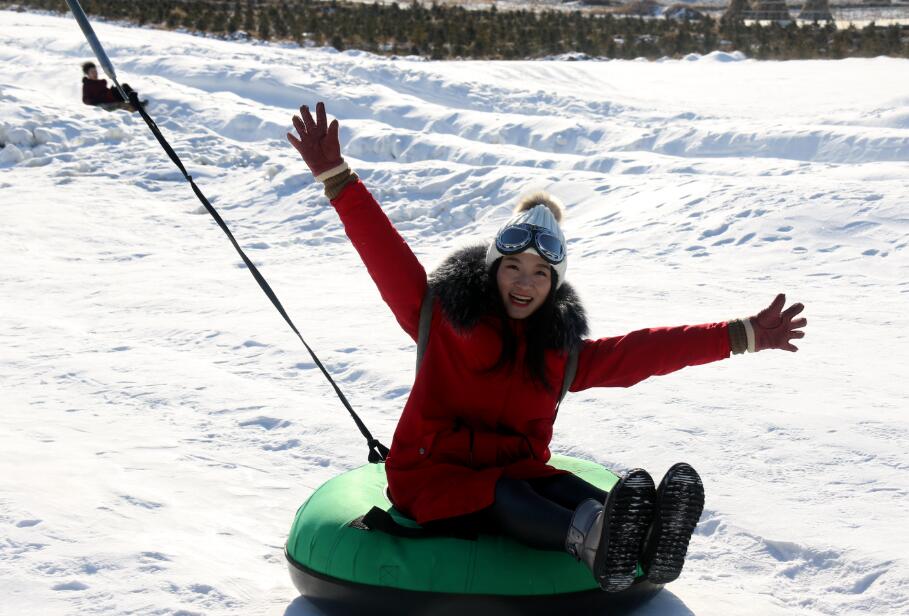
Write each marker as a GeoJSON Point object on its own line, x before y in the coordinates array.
{"type": "Point", "coordinates": [541, 197]}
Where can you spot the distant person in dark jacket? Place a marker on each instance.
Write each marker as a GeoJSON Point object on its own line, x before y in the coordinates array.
{"type": "Point", "coordinates": [96, 92]}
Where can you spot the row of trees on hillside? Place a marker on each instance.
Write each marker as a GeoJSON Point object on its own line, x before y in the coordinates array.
{"type": "Point", "coordinates": [447, 31]}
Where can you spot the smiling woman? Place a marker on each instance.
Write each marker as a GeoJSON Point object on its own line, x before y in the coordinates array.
{"type": "Point", "coordinates": [525, 282]}
{"type": "Point", "coordinates": [471, 451]}
{"type": "Point", "coordinates": [532, 252]}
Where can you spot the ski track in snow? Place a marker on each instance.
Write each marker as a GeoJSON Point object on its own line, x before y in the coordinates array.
{"type": "Point", "coordinates": [160, 425]}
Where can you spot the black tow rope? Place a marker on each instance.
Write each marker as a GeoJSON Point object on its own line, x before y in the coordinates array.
{"type": "Point", "coordinates": [377, 451]}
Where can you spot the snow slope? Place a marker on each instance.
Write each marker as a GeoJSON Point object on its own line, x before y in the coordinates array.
{"type": "Point", "coordinates": [159, 424]}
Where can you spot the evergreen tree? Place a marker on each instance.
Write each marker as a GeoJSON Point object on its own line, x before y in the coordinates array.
{"type": "Point", "coordinates": [445, 31]}
{"type": "Point", "coordinates": [249, 18]}
{"type": "Point", "coordinates": [264, 27]}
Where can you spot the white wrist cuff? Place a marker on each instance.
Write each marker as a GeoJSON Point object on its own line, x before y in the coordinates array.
{"type": "Point", "coordinates": [749, 332]}
{"type": "Point", "coordinates": [332, 172]}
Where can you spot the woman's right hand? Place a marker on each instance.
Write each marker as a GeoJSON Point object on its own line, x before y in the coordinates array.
{"type": "Point", "coordinates": [318, 143]}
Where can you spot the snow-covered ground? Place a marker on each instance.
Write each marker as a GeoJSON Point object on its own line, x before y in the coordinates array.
{"type": "Point", "coordinates": [159, 423]}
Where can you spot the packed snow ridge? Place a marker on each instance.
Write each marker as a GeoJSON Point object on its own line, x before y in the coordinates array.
{"type": "Point", "coordinates": [160, 425]}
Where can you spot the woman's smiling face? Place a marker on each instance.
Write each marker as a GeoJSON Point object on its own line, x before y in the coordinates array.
{"type": "Point", "coordinates": [524, 282]}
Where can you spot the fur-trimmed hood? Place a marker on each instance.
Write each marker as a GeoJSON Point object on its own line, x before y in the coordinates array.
{"type": "Point", "coordinates": [461, 283]}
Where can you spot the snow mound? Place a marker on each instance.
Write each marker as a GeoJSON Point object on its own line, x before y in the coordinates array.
{"type": "Point", "coordinates": [716, 56]}
{"type": "Point", "coordinates": [19, 136]}
{"type": "Point", "coordinates": [11, 154]}
{"type": "Point", "coordinates": [28, 142]}
{"type": "Point", "coordinates": [722, 56]}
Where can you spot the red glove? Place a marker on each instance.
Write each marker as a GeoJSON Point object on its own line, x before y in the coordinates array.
{"type": "Point", "coordinates": [318, 143]}
{"type": "Point", "coordinates": [774, 329]}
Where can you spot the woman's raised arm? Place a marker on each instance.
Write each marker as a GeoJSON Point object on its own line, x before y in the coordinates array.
{"type": "Point", "coordinates": [622, 361]}
{"type": "Point", "coordinates": [390, 262]}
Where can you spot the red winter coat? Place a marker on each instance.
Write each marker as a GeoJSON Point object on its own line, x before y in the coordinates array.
{"type": "Point", "coordinates": [96, 92]}
{"type": "Point", "coordinates": [464, 427]}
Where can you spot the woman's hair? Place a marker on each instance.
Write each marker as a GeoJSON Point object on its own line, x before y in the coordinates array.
{"type": "Point", "coordinates": [87, 66]}
{"type": "Point", "coordinates": [538, 331]}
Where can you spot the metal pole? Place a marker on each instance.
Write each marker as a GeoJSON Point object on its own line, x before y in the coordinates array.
{"type": "Point", "coordinates": [89, 33]}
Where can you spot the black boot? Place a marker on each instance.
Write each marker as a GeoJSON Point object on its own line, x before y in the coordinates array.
{"type": "Point", "coordinates": [679, 503]}
{"type": "Point", "coordinates": [608, 537]}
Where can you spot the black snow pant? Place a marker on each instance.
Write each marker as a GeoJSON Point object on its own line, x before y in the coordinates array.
{"type": "Point", "coordinates": [536, 512]}
{"type": "Point", "coordinates": [127, 89]}
{"type": "Point", "coordinates": [122, 104]}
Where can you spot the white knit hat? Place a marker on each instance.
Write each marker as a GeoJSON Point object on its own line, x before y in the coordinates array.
{"type": "Point", "coordinates": [540, 209]}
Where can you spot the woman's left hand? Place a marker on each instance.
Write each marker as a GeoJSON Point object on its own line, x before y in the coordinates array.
{"type": "Point", "coordinates": [775, 328]}
{"type": "Point", "coordinates": [318, 141]}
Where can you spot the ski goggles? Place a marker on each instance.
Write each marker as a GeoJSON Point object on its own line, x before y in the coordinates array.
{"type": "Point", "coordinates": [517, 238]}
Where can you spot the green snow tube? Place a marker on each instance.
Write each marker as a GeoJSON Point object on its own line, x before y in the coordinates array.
{"type": "Point", "coordinates": [346, 569]}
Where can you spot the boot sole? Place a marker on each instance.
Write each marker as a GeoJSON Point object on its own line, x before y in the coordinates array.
{"type": "Point", "coordinates": [680, 501]}
{"type": "Point", "coordinates": [628, 512]}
